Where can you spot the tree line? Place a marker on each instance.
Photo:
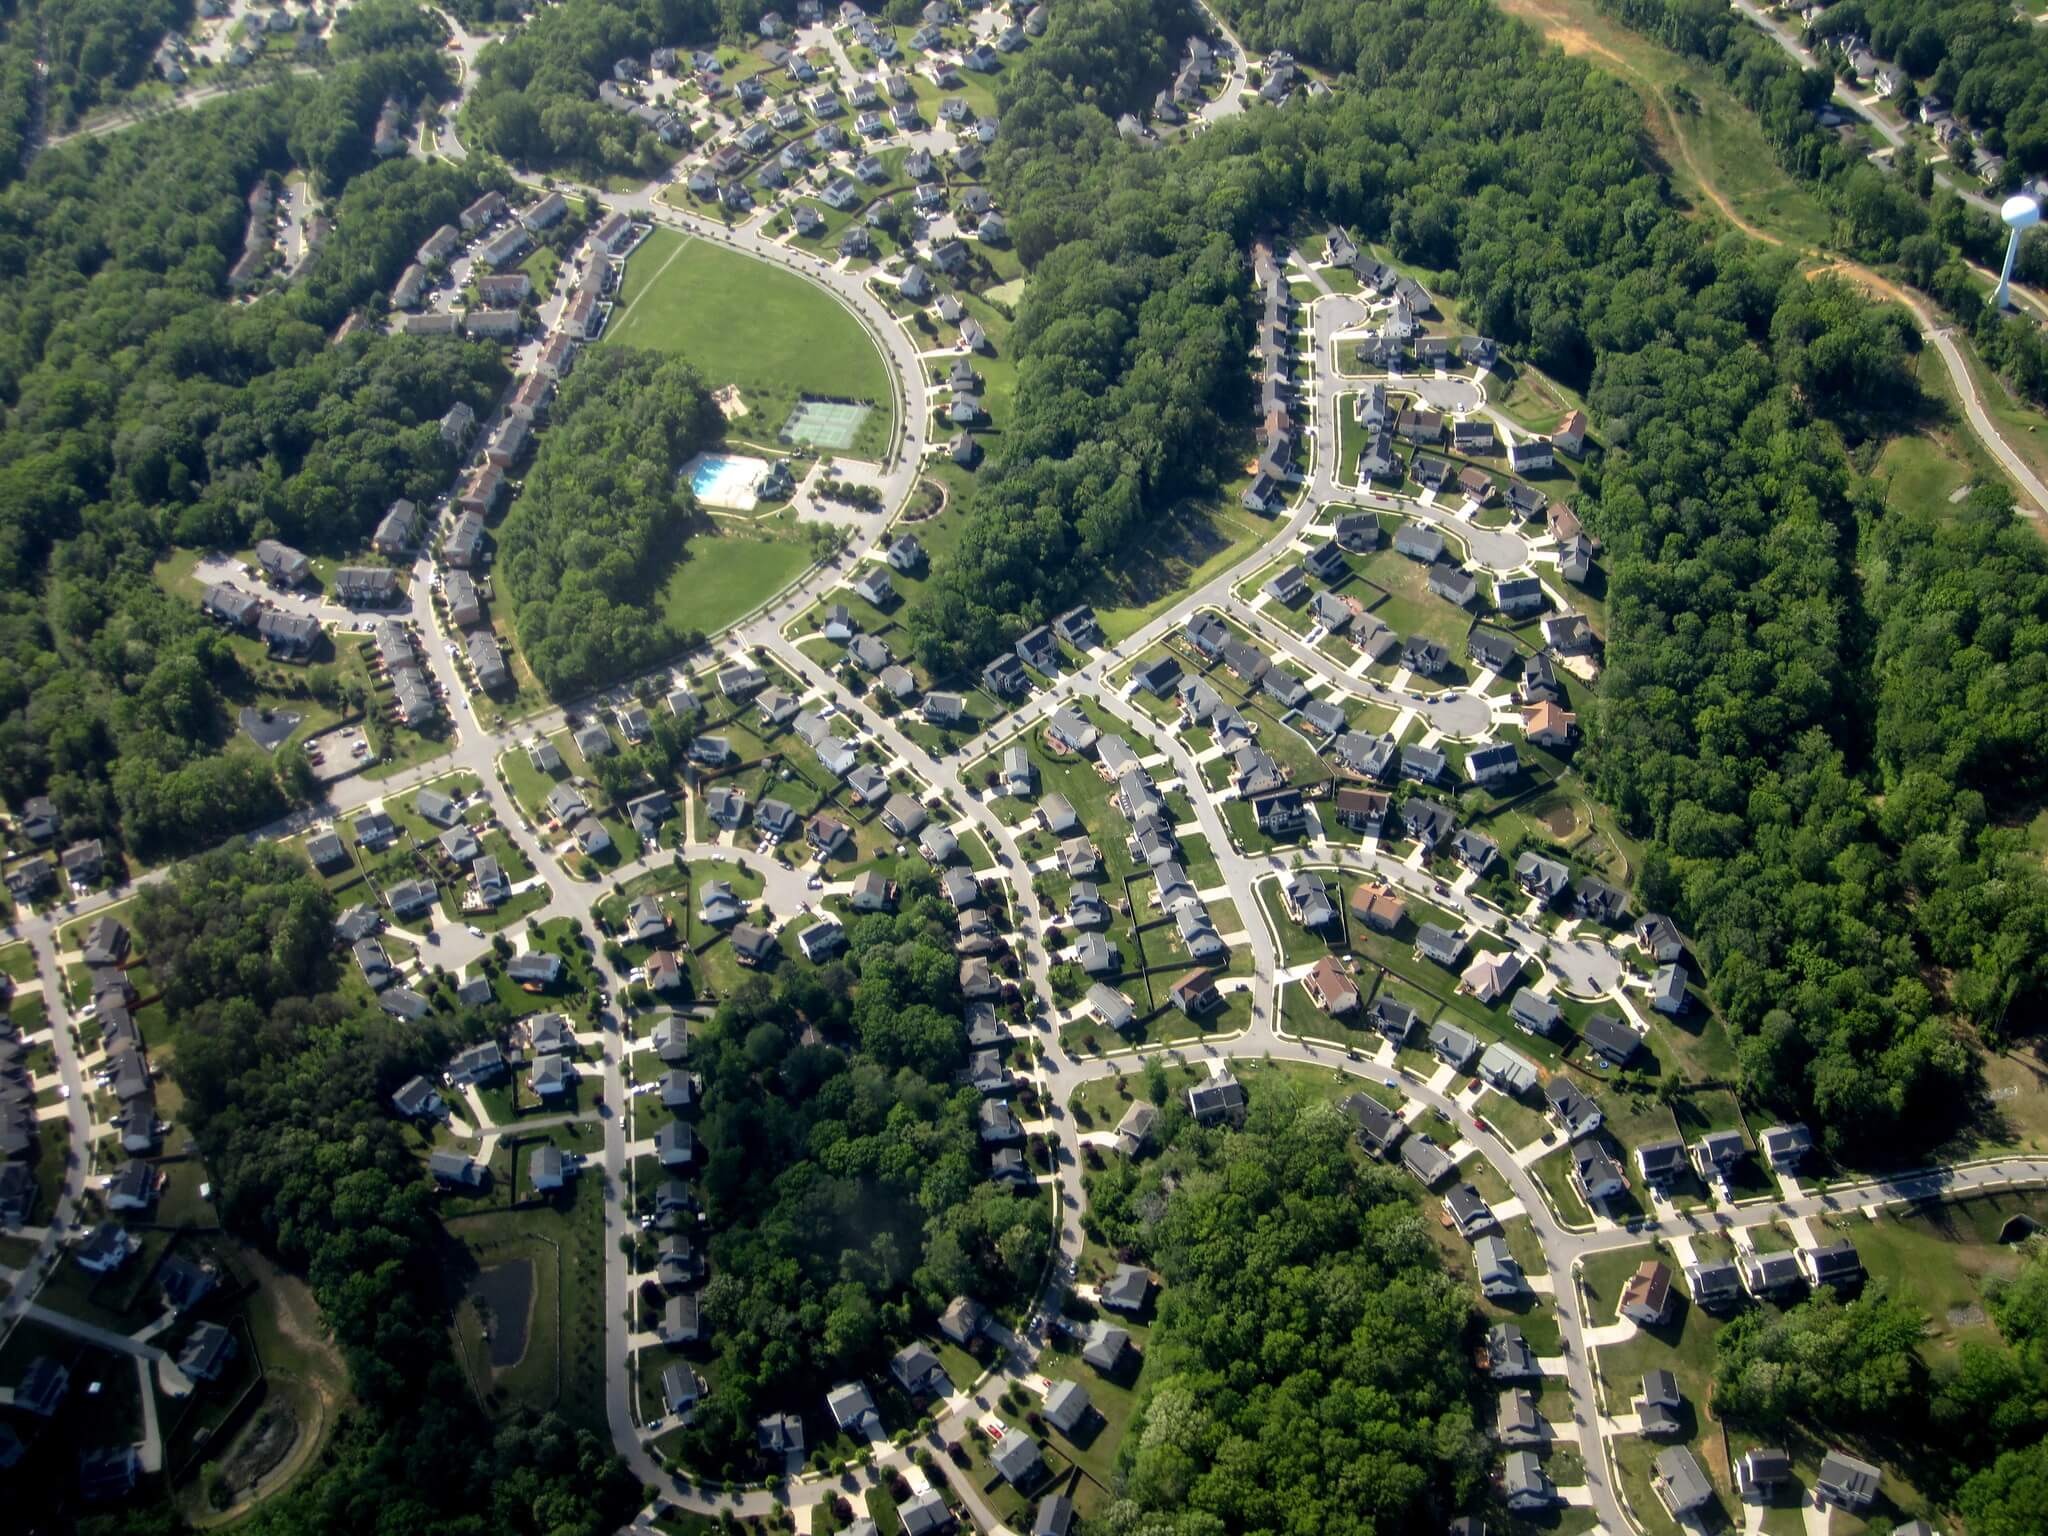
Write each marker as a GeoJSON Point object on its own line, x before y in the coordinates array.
{"type": "Point", "coordinates": [604, 517]}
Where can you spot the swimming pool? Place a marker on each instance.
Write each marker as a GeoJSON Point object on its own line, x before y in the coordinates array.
{"type": "Point", "coordinates": [721, 481]}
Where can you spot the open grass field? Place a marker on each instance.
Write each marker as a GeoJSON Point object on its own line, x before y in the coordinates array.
{"type": "Point", "coordinates": [2013, 1115]}
{"type": "Point", "coordinates": [1925, 469]}
{"type": "Point", "coordinates": [726, 575]}
{"type": "Point", "coordinates": [1940, 1257]}
{"type": "Point", "coordinates": [1196, 545]}
{"type": "Point", "coordinates": [746, 323]}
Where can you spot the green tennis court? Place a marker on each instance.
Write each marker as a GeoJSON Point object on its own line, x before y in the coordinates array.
{"type": "Point", "coordinates": [825, 423]}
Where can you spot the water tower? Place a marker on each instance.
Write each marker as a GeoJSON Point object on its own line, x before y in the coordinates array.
{"type": "Point", "coordinates": [2021, 213]}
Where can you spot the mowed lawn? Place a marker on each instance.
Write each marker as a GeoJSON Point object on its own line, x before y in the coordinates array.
{"type": "Point", "coordinates": [745, 322]}
{"type": "Point", "coordinates": [724, 575]}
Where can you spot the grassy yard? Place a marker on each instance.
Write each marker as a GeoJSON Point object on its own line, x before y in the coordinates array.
{"type": "Point", "coordinates": [18, 962]}
{"type": "Point", "coordinates": [747, 323]}
{"type": "Point", "coordinates": [1410, 608]}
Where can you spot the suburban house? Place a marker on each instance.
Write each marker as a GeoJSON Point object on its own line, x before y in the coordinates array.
{"type": "Point", "coordinates": [1646, 1298]}
{"type": "Point", "coordinates": [1594, 1174]}
{"type": "Point", "coordinates": [1835, 1264]}
{"type": "Point", "coordinates": [1846, 1482]}
{"type": "Point", "coordinates": [1785, 1147]}
{"type": "Point", "coordinates": [1681, 1486]}
{"type": "Point", "coordinates": [1438, 944]}
{"type": "Point", "coordinates": [1574, 1111]}
{"type": "Point", "coordinates": [1661, 1162]}
{"type": "Point", "coordinates": [1469, 1212]}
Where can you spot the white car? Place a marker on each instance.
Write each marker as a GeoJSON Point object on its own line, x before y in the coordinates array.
{"type": "Point", "coordinates": [475, 932]}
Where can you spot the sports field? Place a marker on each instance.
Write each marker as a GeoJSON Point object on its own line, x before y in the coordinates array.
{"type": "Point", "coordinates": [746, 323]}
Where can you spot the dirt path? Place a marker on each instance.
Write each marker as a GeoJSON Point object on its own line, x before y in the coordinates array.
{"type": "Point", "coordinates": [1557, 25]}
{"type": "Point", "coordinates": [1658, 116]}
{"type": "Point", "coordinates": [297, 1313]}
{"type": "Point", "coordinates": [313, 1429]}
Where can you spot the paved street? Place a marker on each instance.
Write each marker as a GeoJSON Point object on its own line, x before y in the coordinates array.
{"type": "Point", "coordinates": [1584, 968]}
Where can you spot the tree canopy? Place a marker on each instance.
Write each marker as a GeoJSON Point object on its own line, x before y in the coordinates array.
{"type": "Point", "coordinates": [1307, 1368]}
{"type": "Point", "coordinates": [605, 516]}
{"type": "Point", "coordinates": [843, 1174]}
{"type": "Point", "coordinates": [146, 410]}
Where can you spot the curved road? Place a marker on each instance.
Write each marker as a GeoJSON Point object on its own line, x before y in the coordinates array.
{"type": "Point", "coordinates": [1460, 714]}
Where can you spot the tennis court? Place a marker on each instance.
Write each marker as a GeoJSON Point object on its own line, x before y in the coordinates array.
{"type": "Point", "coordinates": [825, 423]}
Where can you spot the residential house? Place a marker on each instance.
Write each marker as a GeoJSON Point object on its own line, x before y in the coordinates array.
{"type": "Point", "coordinates": [1220, 1097]}
{"type": "Point", "coordinates": [1331, 988]}
{"type": "Point", "coordinates": [1438, 944]}
{"type": "Point", "coordinates": [1667, 990]}
{"type": "Point", "coordinates": [1646, 1298]}
{"type": "Point", "coordinates": [1379, 1129]}
{"type": "Point", "coordinates": [1574, 1111]}
{"type": "Point", "coordinates": [1508, 1070]}
{"type": "Point", "coordinates": [1661, 1162]}
{"type": "Point", "coordinates": [1836, 1264]}
{"type": "Point", "coordinates": [1469, 1212]}
{"type": "Point", "coordinates": [1612, 1038]}
{"type": "Point", "coordinates": [1785, 1147]}
{"type": "Point", "coordinates": [1534, 1013]}
{"type": "Point", "coordinates": [1681, 1486]}
{"type": "Point", "coordinates": [1594, 1174]}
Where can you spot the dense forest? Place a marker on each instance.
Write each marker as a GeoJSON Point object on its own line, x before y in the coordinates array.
{"type": "Point", "coordinates": [844, 1181]}
{"type": "Point", "coordinates": [144, 410]}
{"type": "Point", "coordinates": [1970, 1427]}
{"type": "Point", "coordinates": [1130, 339]}
{"type": "Point", "coordinates": [286, 1093]}
{"type": "Point", "coordinates": [604, 517]}
{"type": "Point", "coordinates": [1896, 215]}
{"type": "Point", "coordinates": [1736, 729]}
{"type": "Point", "coordinates": [1307, 1371]}
{"type": "Point", "coordinates": [97, 47]}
